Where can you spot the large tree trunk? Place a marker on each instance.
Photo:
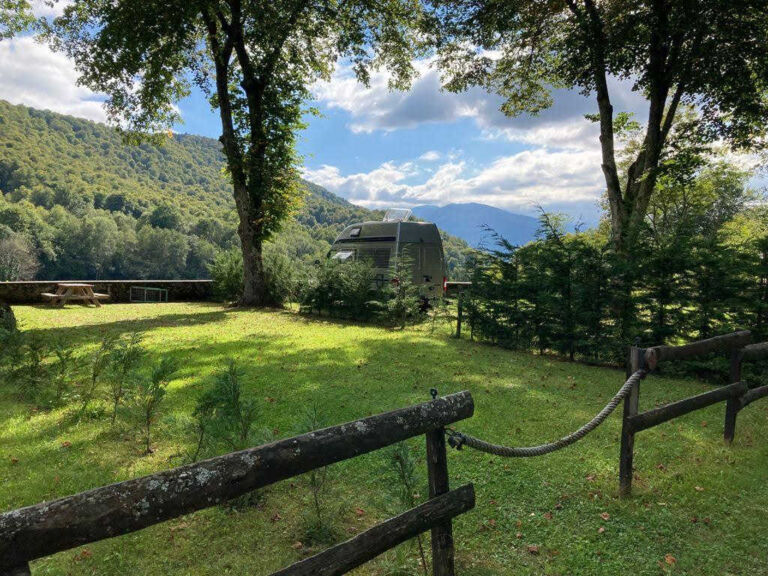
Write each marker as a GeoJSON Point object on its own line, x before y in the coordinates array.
{"type": "Point", "coordinates": [255, 291]}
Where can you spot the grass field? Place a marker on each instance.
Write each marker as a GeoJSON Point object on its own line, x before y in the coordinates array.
{"type": "Point", "coordinates": [698, 507]}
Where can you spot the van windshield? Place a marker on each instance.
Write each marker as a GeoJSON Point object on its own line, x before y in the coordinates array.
{"type": "Point", "coordinates": [343, 255]}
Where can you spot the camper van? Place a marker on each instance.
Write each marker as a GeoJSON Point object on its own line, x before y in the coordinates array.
{"type": "Point", "coordinates": [415, 243]}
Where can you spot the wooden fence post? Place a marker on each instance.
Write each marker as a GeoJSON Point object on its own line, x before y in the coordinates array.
{"type": "Point", "coordinates": [733, 405]}
{"type": "Point", "coordinates": [627, 435]}
{"type": "Point", "coordinates": [442, 533]}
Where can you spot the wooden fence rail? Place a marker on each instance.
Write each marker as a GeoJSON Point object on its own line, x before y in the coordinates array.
{"type": "Point", "coordinates": [750, 353]}
{"type": "Point", "coordinates": [357, 551]}
{"type": "Point", "coordinates": [50, 527]}
{"type": "Point", "coordinates": [724, 343]}
{"type": "Point", "coordinates": [657, 416]}
{"type": "Point", "coordinates": [736, 394]}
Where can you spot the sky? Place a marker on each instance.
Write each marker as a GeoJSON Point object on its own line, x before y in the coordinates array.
{"type": "Point", "coordinates": [380, 148]}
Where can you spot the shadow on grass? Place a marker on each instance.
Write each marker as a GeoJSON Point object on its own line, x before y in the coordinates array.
{"type": "Point", "coordinates": [94, 332]}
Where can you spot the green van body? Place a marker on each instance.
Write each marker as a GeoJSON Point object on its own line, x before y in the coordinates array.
{"type": "Point", "coordinates": [378, 242]}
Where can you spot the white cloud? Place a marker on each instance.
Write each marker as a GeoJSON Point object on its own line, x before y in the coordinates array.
{"type": "Point", "coordinates": [430, 156]}
{"type": "Point", "coordinates": [378, 108]}
{"type": "Point", "coordinates": [49, 8]}
{"type": "Point", "coordinates": [563, 180]}
{"type": "Point", "coordinates": [33, 75]}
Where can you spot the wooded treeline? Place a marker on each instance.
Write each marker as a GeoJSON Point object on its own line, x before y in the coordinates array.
{"type": "Point", "coordinates": [702, 269]}
{"type": "Point", "coordinates": [77, 202]}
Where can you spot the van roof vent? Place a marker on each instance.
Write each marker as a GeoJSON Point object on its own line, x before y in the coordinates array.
{"type": "Point", "coordinates": [397, 215]}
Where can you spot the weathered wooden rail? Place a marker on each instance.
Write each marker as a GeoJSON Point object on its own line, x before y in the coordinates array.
{"type": "Point", "coordinates": [750, 353]}
{"type": "Point", "coordinates": [49, 527]}
{"type": "Point", "coordinates": [737, 394]}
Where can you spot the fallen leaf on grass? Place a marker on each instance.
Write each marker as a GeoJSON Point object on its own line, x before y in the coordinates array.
{"type": "Point", "coordinates": [66, 444]}
{"type": "Point", "coordinates": [533, 549]}
{"type": "Point", "coordinates": [519, 535]}
{"type": "Point", "coordinates": [297, 545]}
{"type": "Point", "coordinates": [670, 560]}
{"type": "Point", "coordinates": [600, 530]}
{"type": "Point", "coordinates": [548, 515]}
{"type": "Point", "coordinates": [359, 511]}
{"type": "Point", "coordinates": [698, 489]}
{"type": "Point", "coordinates": [275, 517]}
{"type": "Point", "coordinates": [605, 516]}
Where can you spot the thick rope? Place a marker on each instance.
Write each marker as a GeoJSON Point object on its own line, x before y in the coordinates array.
{"type": "Point", "coordinates": [458, 439]}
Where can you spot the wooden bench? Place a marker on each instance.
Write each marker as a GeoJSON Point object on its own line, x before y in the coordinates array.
{"type": "Point", "coordinates": [75, 292]}
{"type": "Point", "coordinates": [97, 295]}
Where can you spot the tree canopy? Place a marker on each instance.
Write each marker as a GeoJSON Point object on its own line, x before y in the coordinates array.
{"type": "Point", "coordinates": [710, 54]}
{"type": "Point", "coordinates": [15, 16]}
{"type": "Point", "coordinates": [256, 59]}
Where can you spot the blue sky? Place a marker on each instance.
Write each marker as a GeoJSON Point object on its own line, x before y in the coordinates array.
{"type": "Point", "coordinates": [379, 148]}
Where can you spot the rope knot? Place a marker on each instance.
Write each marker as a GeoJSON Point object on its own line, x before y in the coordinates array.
{"type": "Point", "coordinates": [456, 439]}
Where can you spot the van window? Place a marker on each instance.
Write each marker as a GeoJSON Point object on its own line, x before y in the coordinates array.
{"type": "Point", "coordinates": [355, 232]}
{"type": "Point", "coordinates": [377, 257]}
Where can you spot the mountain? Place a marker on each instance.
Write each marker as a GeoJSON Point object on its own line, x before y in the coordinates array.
{"type": "Point", "coordinates": [470, 222]}
{"type": "Point", "coordinates": [76, 202]}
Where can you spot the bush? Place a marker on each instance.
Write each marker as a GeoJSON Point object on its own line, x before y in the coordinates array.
{"type": "Point", "coordinates": [343, 290]}
{"type": "Point", "coordinates": [225, 416]}
{"type": "Point", "coordinates": [227, 275]}
{"type": "Point", "coordinates": [283, 275]}
{"type": "Point", "coordinates": [280, 272]}
{"type": "Point", "coordinates": [33, 373]}
{"type": "Point", "coordinates": [401, 297]}
{"type": "Point", "coordinates": [149, 396]}
{"type": "Point", "coordinates": [11, 342]}
{"type": "Point", "coordinates": [7, 319]}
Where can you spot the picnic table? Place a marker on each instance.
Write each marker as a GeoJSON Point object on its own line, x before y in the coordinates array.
{"type": "Point", "coordinates": [66, 291]}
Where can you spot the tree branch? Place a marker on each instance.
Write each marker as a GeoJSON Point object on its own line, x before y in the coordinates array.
{"type": "Point", "coordinates": [671, 111]}
{"type": "Point", "coordinates": [221, 58]}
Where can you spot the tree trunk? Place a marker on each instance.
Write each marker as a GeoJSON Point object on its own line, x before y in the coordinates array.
{"type": "Point", "coordinates": [254, 281]}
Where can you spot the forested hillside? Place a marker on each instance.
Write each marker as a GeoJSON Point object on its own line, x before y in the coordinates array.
{"type": "Point", "coordinates": [79, 203]}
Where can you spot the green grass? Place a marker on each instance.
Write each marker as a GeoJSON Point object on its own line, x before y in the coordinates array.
{"type": "Point", "coordinates": [684, 472]}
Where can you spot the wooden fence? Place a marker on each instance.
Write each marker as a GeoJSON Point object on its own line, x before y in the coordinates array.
{"type": "Point", "coordinates": [50, 527]}
{"type": "Point", "coordinates": [736, 394]}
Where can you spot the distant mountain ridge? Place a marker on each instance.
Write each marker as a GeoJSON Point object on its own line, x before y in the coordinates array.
{"type": "Point", "coordinates": [471, 221]}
